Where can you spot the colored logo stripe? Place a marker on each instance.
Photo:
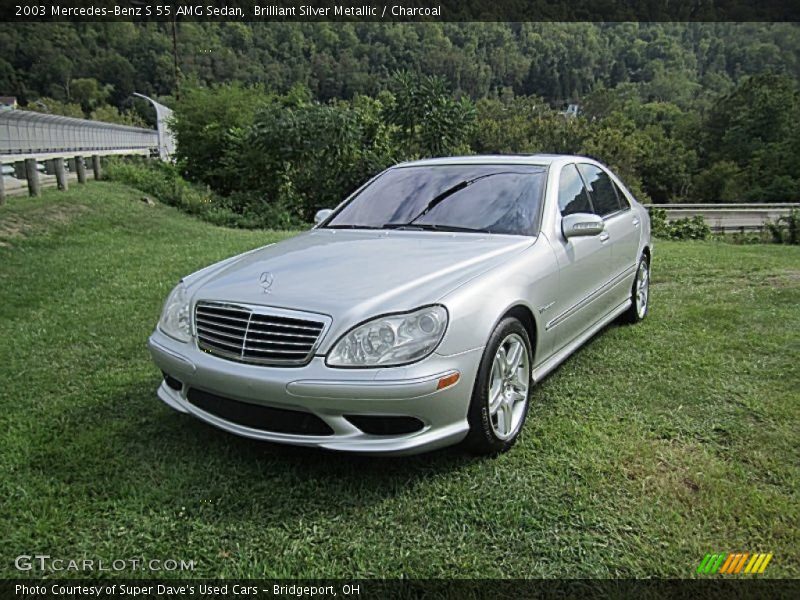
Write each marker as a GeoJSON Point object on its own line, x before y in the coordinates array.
{"type": "Point", "coordinates": [732, 564]}
{"type": "Point", "coordinates": [739, 563]}
{"type": "Point", "coordinates": [711, 563]}
{"type": "Point", "coordinates": [758, 563]}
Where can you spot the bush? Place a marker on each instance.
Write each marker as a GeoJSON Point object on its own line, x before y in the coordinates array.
{"type": "Point", "coordinates": [164, 182]}
{"type": "Point", "coordinates": [658, 222]}
{"type": "Point", "coordinates": [786, 230]}
{"type": "Point", "coordinates": [206, 124]}
{"type": "Point", "coordinates": [694, 228]}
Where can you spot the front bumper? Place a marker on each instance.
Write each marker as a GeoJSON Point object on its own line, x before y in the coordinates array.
{"type": "Point", "coordinates": [329, 394]}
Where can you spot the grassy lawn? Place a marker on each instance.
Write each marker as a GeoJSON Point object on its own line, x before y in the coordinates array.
{"type": "Point", "coordinates": [652, 446]}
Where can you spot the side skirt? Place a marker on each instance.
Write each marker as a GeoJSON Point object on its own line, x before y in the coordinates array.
{"type": "Point", "coordinates": [556, 359]}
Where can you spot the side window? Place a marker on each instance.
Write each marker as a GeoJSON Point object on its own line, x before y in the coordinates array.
{"type": "Point", "coordinates": [572, 194]}
{"type": "Point", "coordinates": [601, 190]}
{"type": "Point", "coordinates": [623, 199]}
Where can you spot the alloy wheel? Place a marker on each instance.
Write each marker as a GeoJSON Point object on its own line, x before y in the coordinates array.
{"type": "Point", "coordinates": [508, 386]}
{"type": "Point", "coordinates": [642, 288]}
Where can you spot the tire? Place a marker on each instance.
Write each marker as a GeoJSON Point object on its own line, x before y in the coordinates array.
{"type": "Point", "coordinates": [502, 390]}
{"type": "Point", "coordinates": [640, 294]}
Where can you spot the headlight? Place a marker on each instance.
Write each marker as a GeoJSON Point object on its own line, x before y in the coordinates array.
{"type": "Point", "coordinates": [175, 318]}
{"type": "Point", "coordinates": [391, 340]}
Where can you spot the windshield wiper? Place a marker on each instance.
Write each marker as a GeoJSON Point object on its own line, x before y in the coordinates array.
{"type": "Point", "coordinates": [349, 226]}
{"type": "Point", "coordinates": [439, 198]}
{"type": "Point", "coordinates": [432, 227]}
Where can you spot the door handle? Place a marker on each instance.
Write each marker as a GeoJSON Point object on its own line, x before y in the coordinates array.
{"type": "Point", "coordinates": [635, 221]}
{"type": "Point", "coordinates": [604, 237]}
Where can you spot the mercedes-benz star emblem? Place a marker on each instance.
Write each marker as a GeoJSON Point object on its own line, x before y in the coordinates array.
{"type": "Point", "coordinates": [266, 281]}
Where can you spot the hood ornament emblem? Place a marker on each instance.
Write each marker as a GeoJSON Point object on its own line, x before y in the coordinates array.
{"type": "Point", "coordinates": [266, 280]}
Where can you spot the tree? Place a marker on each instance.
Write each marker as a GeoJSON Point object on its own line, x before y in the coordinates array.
{"type": "Point", "coordinates": [119, 73]}
{"type": "Point", "coordinates": [760, 111]}
{"type": "Point", "coordinates": [311, 156]}
{"type": "Point", "coordinates": [55, 107]}
{"type": "Point", "coordinates": [429, 121]}
{"type": "Point", "coordinates": [207, 123]}
{"type": "Point", "coordinates": [111, 114]}
{"type": "Point", "coordinates": [755, 128]}
{"type": "Point", "coordinates": [89, 93]}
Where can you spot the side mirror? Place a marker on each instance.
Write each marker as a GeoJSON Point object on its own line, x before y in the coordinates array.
{"type": "Point", "coordinates": [581, 225]}
{"type": "Point", "coordinates": [322, 215]}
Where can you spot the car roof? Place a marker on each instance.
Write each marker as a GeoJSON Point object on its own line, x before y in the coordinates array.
{"type": "Point", "coordinates": [496, 159]}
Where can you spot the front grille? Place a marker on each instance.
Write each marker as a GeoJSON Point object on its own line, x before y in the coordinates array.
{"type": "Point", "coordinates": [255, 334]}
{"type": "Point", "coordinates": [256, 416]}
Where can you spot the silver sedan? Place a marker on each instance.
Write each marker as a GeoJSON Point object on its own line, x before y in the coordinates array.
{"type": "Point", "coordinates": [417, 314]}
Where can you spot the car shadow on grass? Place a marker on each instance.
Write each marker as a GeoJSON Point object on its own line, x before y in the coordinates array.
{"type": "Point", "coordinates": [130, 450]}
{"type": "Point", "coordinates": [127, 448]}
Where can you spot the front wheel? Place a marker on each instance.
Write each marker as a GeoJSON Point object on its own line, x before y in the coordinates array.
{"type": "Point", "coordinates": [640, 293]}
{"type": "Point", "coordinates": [502, 390]}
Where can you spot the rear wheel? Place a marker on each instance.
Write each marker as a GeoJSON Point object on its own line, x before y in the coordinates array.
{"type": "Point", "coordinates": [502, 390]}
{"type": "Point", "coordinates": [640, 293]}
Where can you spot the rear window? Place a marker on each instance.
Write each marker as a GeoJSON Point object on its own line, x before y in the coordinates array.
{"type": "Point", "coordinates": [623, 199]}
{"type": "Point", "coordinates": [601, 189]}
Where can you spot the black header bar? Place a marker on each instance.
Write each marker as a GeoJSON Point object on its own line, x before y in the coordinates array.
{"type": "Point", "coordinates": [401, 10]}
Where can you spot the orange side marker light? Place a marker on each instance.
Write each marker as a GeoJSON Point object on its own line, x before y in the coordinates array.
{"type": "Point", "coordinates": [448, 380]}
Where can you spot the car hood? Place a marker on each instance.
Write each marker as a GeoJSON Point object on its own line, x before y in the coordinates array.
{"type": "Point", "coordinates": [358, 274]}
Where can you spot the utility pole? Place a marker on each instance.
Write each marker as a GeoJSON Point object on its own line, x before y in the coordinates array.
{"type": "Point", "coordinates": [175, 57]}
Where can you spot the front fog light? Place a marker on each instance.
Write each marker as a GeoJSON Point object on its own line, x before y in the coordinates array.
{"type": "Point", "coordinates": [175, 318]}
{"type": "Point", "coordinates": [391, 340]}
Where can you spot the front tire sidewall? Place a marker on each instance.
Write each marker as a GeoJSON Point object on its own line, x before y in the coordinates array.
{"type": "Point", "coordinates": [482, 438]}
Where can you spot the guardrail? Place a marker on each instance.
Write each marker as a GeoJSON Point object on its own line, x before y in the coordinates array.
{"type": "Point", "coordinates": [729, 217]}
{"type": "Point", "coordinates": [25, 134]}
{"type": "Point", "coordinates": [27, 138]}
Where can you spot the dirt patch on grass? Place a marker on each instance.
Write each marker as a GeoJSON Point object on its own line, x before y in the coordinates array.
{"type": "Point", "coordinates": [788, 278]}
{"type": "Point", "coordinates": [37, 221]}
{"type": "Point", "coordinates": [667, 467]}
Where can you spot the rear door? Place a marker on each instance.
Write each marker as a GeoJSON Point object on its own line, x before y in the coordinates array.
{"type": "Point", "coordinates": [622, 229]}
{"type": "Point", "coordinates": [584, 264]}
{"type": "Point", "coordinates": [626, 252]}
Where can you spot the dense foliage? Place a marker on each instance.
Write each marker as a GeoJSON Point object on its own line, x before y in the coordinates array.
{"type": "Point", "coordinates": [279, 120]}
{"type": "Point", "coordinates": [295, 155]}
{"type": "Point", "coordinates": [558, 61]}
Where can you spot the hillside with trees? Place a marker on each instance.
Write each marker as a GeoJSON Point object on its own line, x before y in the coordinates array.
{"type": "Point", "coordinates": [278, 120]}
{"type": "Point", "coordinates": [560, 62]}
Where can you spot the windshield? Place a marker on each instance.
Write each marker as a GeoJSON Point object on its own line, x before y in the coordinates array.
{"type": "Point", "coordinates": [484, 198]}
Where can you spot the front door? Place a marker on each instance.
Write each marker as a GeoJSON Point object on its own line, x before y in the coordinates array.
{"type": "Point", "coordinates": [584, 266]}
{"type": "Point", "coordinates": [622, 227]}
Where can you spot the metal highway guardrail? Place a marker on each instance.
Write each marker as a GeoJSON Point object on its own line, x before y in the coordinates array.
{"type": "Point", "coordinates": [729, 217]}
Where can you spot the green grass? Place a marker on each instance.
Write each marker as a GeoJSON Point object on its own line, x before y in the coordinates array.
{"type": "Point", "coordinates": [652, 446]}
